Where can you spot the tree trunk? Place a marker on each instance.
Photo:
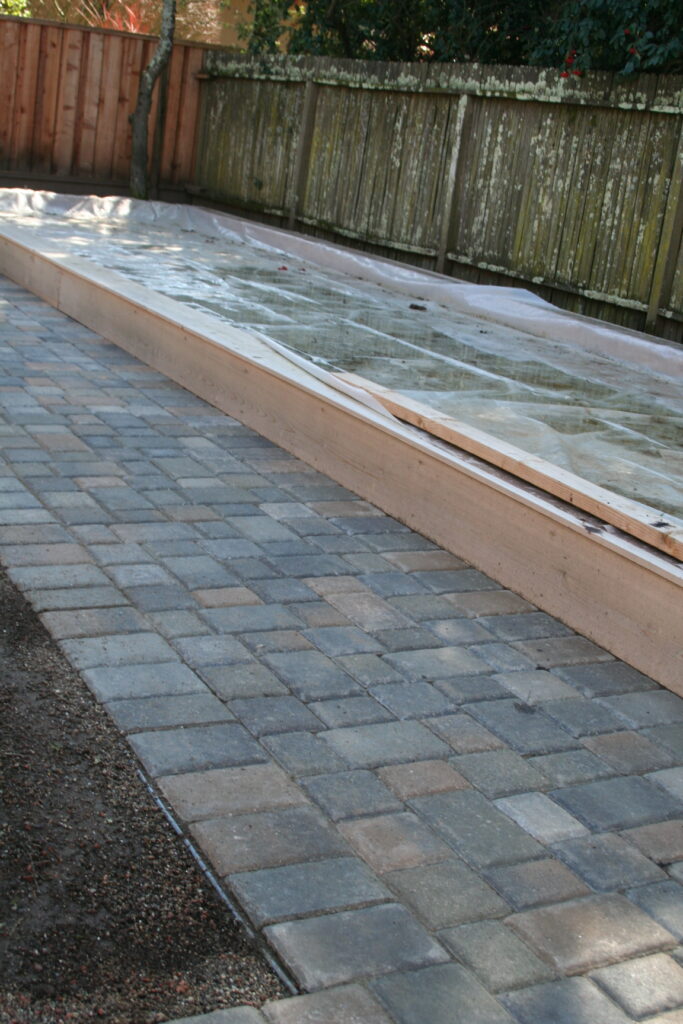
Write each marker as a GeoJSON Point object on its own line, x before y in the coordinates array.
{"type": "Point", "coordinates": [139, 180]}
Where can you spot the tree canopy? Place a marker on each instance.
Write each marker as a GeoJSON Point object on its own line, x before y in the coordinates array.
{"type": "Point", "coordinates": [573, 35]}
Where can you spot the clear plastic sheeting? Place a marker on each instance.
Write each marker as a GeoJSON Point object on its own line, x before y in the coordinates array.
{"type": "Point", "coordinates": [603, 403]}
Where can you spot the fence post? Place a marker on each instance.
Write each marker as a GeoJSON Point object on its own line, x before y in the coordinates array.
{"type": "Point", "coordinates": [451, 182]}
{"type": "Point", "coordinates": [669, 241]}
{"type": "Point", "coordinates": [303, 150]}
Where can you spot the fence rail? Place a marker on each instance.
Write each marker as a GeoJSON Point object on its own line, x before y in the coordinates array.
{"type": "Point", "coordinates": [573, 188]}
{"type": "Point", "coordinates": [67, 93]}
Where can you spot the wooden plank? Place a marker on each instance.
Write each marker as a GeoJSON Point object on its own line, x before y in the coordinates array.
{"type": "Point", "coordinates": [174, 100]}
{"type": "Point", "coordinates": [188, 116]}
{"type": "Point", "coordinates": [10, 45]}
{"type": "Point", "coordinates": [107, 106]}
{"type": "Point", "coordinates": [44, 129]}
{"type": "Point", "coordinates": [450, 193]}
{"type": "Point", "coordinates": [21, 148]}
{"type": "Point", "coordinates": [67, 100]}
{"type": "Point", "coordinates": [670, 240]}
{"type": "Point", "coordinates": [126, 96]}
{"type": "Point", "coordinates": [89, 99]}
{"type": "Point", "coordinates": [629, 516]}
{"type": "Point", "coordinates": [303, 151]}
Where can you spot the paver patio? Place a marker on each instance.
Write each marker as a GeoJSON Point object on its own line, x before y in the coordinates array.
{"type": "Point", "coordinates": [437, 804]}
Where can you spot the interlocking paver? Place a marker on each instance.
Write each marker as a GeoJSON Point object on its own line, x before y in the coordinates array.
{"type": "Point", "coordinates": [629, 752]}
{"type": "Point", "coordinates": [350, 711]}
{"type": "Point", "coordinates": [499, 958]}
{"type": "Point", "coordinates": [300, 890]}
{"type": "Point", "coordinates": [354, 944]}
{"type": "Point", "coordinates": [266, 839]}
{"type": "Point", "coordinates": [478, 831]}
{"type": "Point", "coordinates": [440, 663]}
{"type": "Point", "coordinates": [538, 815]}
{"type": "Point", "coordinates": [663, 901]}
{"type": "Point", "coordinates": [497, 773]}
{"type": "Point", "coordinates": [411, 700]}
{"type": "Point", "coordinates": [662, 842]}
{"type": "Point", "coordinates": [536, 883]}
{"type": "Point", "coordinates": [433, 995]}
{"type": "Point", "coordinates": [390, 842]}
{"type": "Point", "coordinates": [605, 679]}
{"type": "Point", "coordinates": [195, 748]}
{"type": "Point", "coordinates": [608, 863]}
{"type": "Point", "coordinates": [421, 778]}
{"type": "Point", "coordinates": [569, 1001]}
{"type": "Point", "coordinates": [119, 649]}
{"type": "Point", "coordinates": [639, 710]}
{"type": "Point", "coordinates": [538, 685]}
{"type": "Point", "coordinates": [591, 932]}
{"type": "Point", "coordinates": [144, 713]}
{"type": "Point", "coordinates": [349, 1004]}
{"type": "Point", "coordinates": [447, 893]}
{"type": "Point", "coordinates": [239, 790]}
{"type": "Point", "coordinates": [642, 987]}
{"type": "Point", "coordinates": [525, 729]}
{"type": "Point", "coordinates": [618, 803]}
{"type": "Point", "coordinates": [302, 753]}
{"type": "Point", "coordinates": [312, 675]}
{"type": "Point", "coordinates": [370, 746]}
{"type": "Point", "coordinates": [351, 794]}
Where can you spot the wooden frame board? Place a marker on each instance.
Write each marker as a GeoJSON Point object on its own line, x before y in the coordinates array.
{"type": "Point", "coordinates": [622, 594]}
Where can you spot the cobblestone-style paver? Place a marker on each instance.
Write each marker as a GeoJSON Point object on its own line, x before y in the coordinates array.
{"type": "Point", "coordinates": [434, 800]}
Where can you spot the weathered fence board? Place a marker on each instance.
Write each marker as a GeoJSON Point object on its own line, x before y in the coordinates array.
{"type": "Point", "coordinates": [564, 186]}
{"type": "Point", "coordinates": [66, 97]}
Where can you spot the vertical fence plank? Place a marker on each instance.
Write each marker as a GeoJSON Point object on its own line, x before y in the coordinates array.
{"type": "Point", "coordinates": [670, 241]}
{"type": "Point", "coordinates": [303, 150]}
{"type": "Point", "coordinates": [67, 101]}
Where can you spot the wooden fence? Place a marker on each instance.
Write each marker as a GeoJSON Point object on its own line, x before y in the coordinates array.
{"type": "Point", "coordinates": [67, 93]}
{"type": "Point", "coordinates": [572, 187]}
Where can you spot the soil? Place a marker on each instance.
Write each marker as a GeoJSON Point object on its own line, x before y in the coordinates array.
{"type": "Point", "coordinates": [104, 914]}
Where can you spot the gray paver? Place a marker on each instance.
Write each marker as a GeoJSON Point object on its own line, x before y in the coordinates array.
{"type": "Point", "coordinates": [411, 700]}
{"type": "Point", "coordinates": [91, 622]}
{"type": "Point", "coordinates": [537, 814]}
{"type": "Point", "coordinates": [211, 650]}
{"type": "Point", "coordinates": [639, 710]}
{"type": "Point", "coordinates": [591, 932]}
{"type": "Point", "coordinates": [663, 901]}
{"type": "Point", "coordinates": [75, 597]}
{"type": "Point", "coordinates": [435, 993]}
{"type": "Point", "coordinates": [569, 1001]}
{"type": "Point", "coordinates": [439, 663]}
{"type": "Point", "coordinates": [300, 890]}
{"type": "Point", "coordinates": [136, 649]}
{"type": "Point", "coordinates": [350, 711]}
{"type": "Point", "coordinates": [369, 746]}
{"type": "Point", "coordinates": [582, 717]}
{"type": "Point", "coordinates": [352, 793]}
{"type": "Point", "coordinates": [353, 944]}
{"type": "Point", "coordinates": [608, 863]}
{"type": "Point", "coordinates": [447, 893]}
{"type": "Point", "coordinates": [498, 773]}
{"type": "Point", "coordinates": [268, 839]}
{"type": "Point", "coordinates": [526, 730]}
{"type": "Point", "coordinates": [195, 748]}
{"type": "Point", "coordinates": [242, 680]}
{"type": "Point", "coordinates": [535, 686]}
{"type": "Point", "coordinates": [312, 676]}
{"type": "Point", "coordinates": [618, 803]}
{"type": "Point", "coordinates": [536, 883]}
{"type": "Point", "coordinates": [604, 679]}
{"type": "Point", "coordinates": [302, 753]}
{"type": "Point", "coordinates": [262, 715]}
{"type": "Point", "coordinates": [500, 959]}
{"type": "Point", "coordinates": [571, 767]}
{"type": "Point", "coordinates": [251, 618]}
{"type": "Point", "coordinates": [159, 712]}
{"type": "Point", "coordinates": [481, 834]}
{"type": "Point", "coordinates": [642, 987]}
{"type": "Point", "coordinates": [349, 1004]}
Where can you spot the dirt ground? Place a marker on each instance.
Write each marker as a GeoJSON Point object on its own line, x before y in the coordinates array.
{"type": "Point", "coordinates": [104, 914]}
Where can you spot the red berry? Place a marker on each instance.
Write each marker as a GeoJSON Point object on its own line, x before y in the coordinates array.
{"type": "Point", "coordinates": [565, 74]}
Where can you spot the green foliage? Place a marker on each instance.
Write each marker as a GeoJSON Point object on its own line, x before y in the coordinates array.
{"type": "Point", "coordinates": [614, 35]}
{"type": "Point", "coordinates": [17, 8]}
